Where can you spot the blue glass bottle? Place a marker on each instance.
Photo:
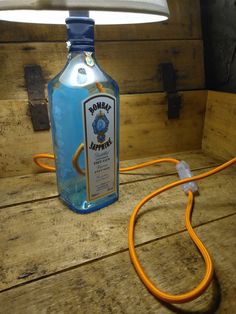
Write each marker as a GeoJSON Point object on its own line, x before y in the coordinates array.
{"type": "Point", "coordinates": [84, 112]}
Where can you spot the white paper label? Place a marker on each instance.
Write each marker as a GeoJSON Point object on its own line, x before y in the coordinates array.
{"type": "Point", "coordinates": [100, 145]}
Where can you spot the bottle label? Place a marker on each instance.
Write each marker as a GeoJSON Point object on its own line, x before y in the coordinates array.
{"type": "Point", "coordinates": [89, 58]}
{"type": "Point", "coordinates": [100, 145]}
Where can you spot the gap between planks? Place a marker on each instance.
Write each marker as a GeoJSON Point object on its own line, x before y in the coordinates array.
{"type": "Point", "coordinates": [103, 41]}
{"type": "Point", "coordinates": [121, 184]}
{"type": "Point", "coordinates": [102, 288]}
{"type": "Point", "coordinates": [105, 225]}
{"type": "Point", "coordinates": [42, 186]}
{"type": "Point", "coordinates": [104, 257]}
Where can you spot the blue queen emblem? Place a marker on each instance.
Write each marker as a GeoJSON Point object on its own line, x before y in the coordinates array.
{"type": "Point", "coordinates": [100, 126]}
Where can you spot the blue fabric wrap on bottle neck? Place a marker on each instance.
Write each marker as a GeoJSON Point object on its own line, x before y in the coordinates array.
{"type": "Point", "coordinates": [80, 31]}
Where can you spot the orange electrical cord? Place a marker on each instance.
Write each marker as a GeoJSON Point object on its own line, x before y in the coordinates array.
{"type": "Point", "coordinates": [36, 158]}
{"type": "Point", "coordinates": [75, 159]}
{"type": "Point", "coordinates": [186, 297]}
{"type": "Point", "coordinates": [76, 165]}
{"type": "Point", "coordinates": [182, 298]}
{"type": "Point", "coordinates": [203, 285]}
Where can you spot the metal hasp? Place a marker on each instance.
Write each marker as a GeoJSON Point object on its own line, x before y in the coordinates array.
{"type": "Point", "coordinates": [37, 101]}
{"type": "Point", "coordinates": [169, 85]}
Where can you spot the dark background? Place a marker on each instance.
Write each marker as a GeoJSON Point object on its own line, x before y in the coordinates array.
{"type": "Point", "coordinates": [219, 34]}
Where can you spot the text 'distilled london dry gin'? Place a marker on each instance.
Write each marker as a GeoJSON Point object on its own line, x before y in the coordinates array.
{"type": "Point", "coordinates": [84, 113]}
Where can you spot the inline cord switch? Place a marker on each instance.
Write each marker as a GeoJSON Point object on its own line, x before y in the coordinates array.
{"type": "Point", "coordinates": [184, 172]}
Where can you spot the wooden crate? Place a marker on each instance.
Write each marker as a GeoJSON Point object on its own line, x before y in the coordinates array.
{"type": "Point", "coordinates": [139, 48]}
{"type": "Point", "coordinates": [55, 261]}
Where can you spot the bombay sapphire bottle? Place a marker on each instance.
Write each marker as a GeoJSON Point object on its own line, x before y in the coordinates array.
{"type": "Point", "coordinates": [84, 112]}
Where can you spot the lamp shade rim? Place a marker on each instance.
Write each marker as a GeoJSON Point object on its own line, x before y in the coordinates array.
{"type": "Point", "coordinates": [59, 17]}
{"type": "Point", "coordinates": [158, 7]}
{"type": "Point", "coordinates": [102, 11]}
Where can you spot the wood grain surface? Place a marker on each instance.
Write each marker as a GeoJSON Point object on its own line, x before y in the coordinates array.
{"type": "Point", "coordinates": [219, 138]}
{"type": "Point", "coordinates": [44, 237]}
{"type": "Point", "coordinates": [144, 130]}
{"type": "Point", "coordinates": [111, 285]}
{"type": "Point", "coordinates": [32, 187]}
{"type": "Point", "coordinates": [134, 65]}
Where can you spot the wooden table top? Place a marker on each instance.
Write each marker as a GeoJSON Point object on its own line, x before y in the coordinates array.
{"type": "Point", "coordinates": [56, 261]}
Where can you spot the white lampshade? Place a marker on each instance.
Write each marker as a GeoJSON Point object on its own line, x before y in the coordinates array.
{"type": "Point", "coordinates": [102, 11]}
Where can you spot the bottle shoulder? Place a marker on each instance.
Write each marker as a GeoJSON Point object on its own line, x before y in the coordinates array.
{"type": "Point", "coordinates": [78, 74]}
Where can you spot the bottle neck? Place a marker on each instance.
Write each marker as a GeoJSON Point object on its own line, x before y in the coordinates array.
{"type": "Point", "coordinates": [80, 32]}
{"type": "Point", "coordinates": [76, 48]}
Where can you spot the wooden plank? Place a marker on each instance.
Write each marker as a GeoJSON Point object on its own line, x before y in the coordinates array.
{"type": "Point", "coordinates": [18, 141]}
{"type": "Point", "coordinates": [40, 238]}
{"type": "Point", "coordinates": [134, 65]}
{"type": "Point", "coordinates": [140, 114]}
{"type": "Point", "coordinates": [112, 286]}
{"type": "Point", "coordinates": [27, 188]}
{"type": "Point", "coordinates": [145, 127]}
{"type": "Point", "coordinates": [184, 23]}
{"type": "Point", "coordinates": [219, 129]}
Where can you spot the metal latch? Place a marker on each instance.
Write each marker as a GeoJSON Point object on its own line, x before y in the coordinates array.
{"type": "Point", "coordinates": [169, 85]}
{"type": "Point", "coordinates": [37, 101]}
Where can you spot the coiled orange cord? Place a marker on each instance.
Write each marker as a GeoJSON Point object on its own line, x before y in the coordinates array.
{"type": "Point", "coordinates": [203, 285]}
{"type": "Point", "coordinates": [189, 296]}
